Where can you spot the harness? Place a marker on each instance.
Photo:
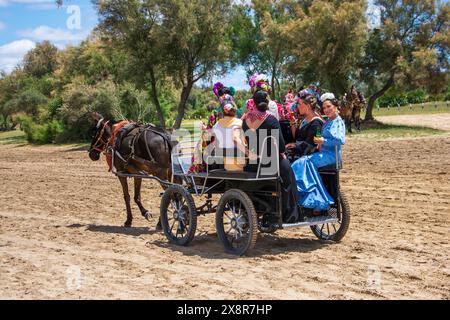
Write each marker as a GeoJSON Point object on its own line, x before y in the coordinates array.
{"type": "Point", "coordinates": [100, 139]}
{"type": "Point", "coordinates": [143, 131]}
{"type": "Point", "coordinates": [136, 135]}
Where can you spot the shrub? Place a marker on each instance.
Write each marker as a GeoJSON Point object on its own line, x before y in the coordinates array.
{"type": "Point", "coordinates": [40, 133]}
{"type": "Point", "coordinates": [417, 96]}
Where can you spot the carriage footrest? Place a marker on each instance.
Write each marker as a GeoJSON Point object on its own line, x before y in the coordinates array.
{"type": "Point", "coordinates": [310, 222]}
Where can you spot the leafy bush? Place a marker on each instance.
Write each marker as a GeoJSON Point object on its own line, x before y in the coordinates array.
{"type": "Point", "coordinates": [78, 100]}
{"type": "Point", "coordinates": [5, 123]}
{"type": "Point", "coordinates": [40, 133]}
{"type": "Point", "coordinates": [417, 96]}
{"type": "Point", "coordinates": [394, 99]}
{"type": "Point", "coordinates": [27, 101]}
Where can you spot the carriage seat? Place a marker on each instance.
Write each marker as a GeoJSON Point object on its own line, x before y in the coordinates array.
{"type": "Point", "coordinates": [233, 175]}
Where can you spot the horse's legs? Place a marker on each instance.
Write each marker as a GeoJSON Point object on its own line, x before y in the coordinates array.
{"type": "Point", "coordinates": [358, 119]}
{"type": "Point", "coordinates": [137, 198]}
{"type": "Point", "coordinates": [348, 122]}
{"type": "Point", "coordinates": [126, 197]}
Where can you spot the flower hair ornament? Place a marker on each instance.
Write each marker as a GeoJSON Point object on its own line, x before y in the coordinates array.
{"type": "Point", "coordinates": [229, 107]}
{"type": "Point", "coordinates": [252, 80]}
{"type": "Point", "coordinates": [226, 98]}
{"type": "Point", "coordinates": [260, 82]}
{"type": "Point", "coordinates": [217, 87]}
{"type": "Point", "coordinates": [232, 91]}
{"type": "Point", "coordinates": [261, 78]}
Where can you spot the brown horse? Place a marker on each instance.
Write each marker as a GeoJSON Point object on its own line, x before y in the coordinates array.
{"type": "Point", "coordinates": [351, 106]}
{"type": "Point", "coordinates": [151, 150]}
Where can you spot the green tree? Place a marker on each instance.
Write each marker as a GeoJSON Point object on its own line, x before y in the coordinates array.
{"type": "Point", "coordinates": [79, 99]}
{"type": "Point", "coordinates": [195, 42]}
{"type": "Point", "coordinates": [327, 40]}
{"type": "Point", "coordinates": [28, 101]}
{"type": "Point", "coordinates": [134, 27]}
{"type": "Point", "coordinates": [409, 44]}
{"type": "Point", "coordinates": [41, 60]}
{"type": "Point", "coordinates": [260, 37]}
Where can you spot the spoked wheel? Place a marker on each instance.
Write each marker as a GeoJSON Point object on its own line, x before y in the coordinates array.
{"type": "Point", "coordinates": [335, 231]}
{"type": "Point", "coordinates": [178, 215]}
{"type": "Point", "coordinates": [236, 222]}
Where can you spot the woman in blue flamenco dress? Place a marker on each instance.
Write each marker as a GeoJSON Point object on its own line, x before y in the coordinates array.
{"type": "Point", "coordinates": [312, 193]}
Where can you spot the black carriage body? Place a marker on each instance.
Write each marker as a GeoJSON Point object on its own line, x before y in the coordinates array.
{"type": "Point", "coordinates": [265, 192]}
{"type": "Point", "coordinates": [258, 195]}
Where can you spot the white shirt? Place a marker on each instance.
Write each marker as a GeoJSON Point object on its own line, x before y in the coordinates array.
{"type": "Point", "coordinates": [224, 136]}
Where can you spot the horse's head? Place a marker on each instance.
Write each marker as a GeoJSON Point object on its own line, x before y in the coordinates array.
{"type": "Point", "coordinates": [353, 93]}
{"type": "Point", "coordinates": [101, 132]}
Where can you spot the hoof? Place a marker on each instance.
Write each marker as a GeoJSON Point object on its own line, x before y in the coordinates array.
{"type": "Point", "coordinates": [147, 215]}
{"type": "Point", "coordinates": [158, 226]}
{"type": "Point", "coordinates": [127, 224]}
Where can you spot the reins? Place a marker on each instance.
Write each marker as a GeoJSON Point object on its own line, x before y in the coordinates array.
{"type": "Point", "coordinates": [104, 143]}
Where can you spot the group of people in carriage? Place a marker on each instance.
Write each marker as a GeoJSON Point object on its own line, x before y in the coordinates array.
{"type": "Point", "coordinates": [307, 130]}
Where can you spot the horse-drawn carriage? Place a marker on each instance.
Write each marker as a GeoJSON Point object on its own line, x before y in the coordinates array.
{"type": "Point", "coordinates": [250, 201]}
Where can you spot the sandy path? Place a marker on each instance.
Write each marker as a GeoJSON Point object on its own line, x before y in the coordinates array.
{"type": "Point", "coordinates": [438, 121]}
{"type": "Point", "coordinates": [60, 214]}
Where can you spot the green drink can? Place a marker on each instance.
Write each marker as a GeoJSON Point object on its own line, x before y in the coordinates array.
{"type": "Point", "coordinates": [318, 133]}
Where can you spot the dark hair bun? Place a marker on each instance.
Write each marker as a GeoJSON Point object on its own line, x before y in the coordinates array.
{"type": "Point", "coordinates": [262, 106]}
{"type": "Point", "coordinates": [260, 96]}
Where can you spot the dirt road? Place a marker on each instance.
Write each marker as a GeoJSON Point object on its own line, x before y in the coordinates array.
{"type": "Point", "coordinates": [60, 234]}
{"type": "Point", "coordinates": [437, 121]}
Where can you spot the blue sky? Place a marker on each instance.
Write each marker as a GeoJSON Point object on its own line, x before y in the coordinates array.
{"type": "Point", "coordinates": [23, 23]}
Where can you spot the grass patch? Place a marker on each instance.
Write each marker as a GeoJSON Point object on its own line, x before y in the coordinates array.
{"type": "Point", "coordinates": [13, 137]}
{"type": "Point", "coordinates": [426, 108]}
{"type": "Point", "coordinates": [19, 137]}
{"type": "Point", "coordinates": [191, 124]}
{"type": "Point", "coordinates": [379, 130]}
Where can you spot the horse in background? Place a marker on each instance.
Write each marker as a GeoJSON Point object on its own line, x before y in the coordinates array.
{"type": "Point", "coordinates": [144, 149]}
{"type": "Point", "coordinates": [351, 106]}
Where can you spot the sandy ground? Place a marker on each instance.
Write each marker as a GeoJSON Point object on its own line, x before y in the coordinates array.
{"type": "Point", "coordinates": [60, 234]}
{"type": "Point", "coordinates": [437, 121]}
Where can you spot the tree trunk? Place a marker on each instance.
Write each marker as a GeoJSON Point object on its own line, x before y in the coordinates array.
{"type": "Point", "coordinates": [274, 71]}
{"type": "Point", "coordinates": [280, 98]}
{"type": "Point", "coordinates": [154, 96]}
{"type": "Point", "coordinates": [274, 79]}
{"type": "Point", "coordinates": [375, 96]}
{"type": "Point", "coordinates": [182, 105]}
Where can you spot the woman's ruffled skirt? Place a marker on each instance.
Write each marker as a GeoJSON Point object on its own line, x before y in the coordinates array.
{"type": "Point", "coordinates": [312, 192]}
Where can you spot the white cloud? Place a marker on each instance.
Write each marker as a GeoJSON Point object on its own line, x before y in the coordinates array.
{"type": "Point", "coordinates": [5, 2]}
{"type": "Point", "coordinates": [33, 4]}
{"type": "Point", "coordinates": [52, 34]}
{"type": "Point", "coordinates": [12, 53]}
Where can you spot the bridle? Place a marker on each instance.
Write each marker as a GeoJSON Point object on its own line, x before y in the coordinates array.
{"type": "Point", "coordinates": [103, 144]}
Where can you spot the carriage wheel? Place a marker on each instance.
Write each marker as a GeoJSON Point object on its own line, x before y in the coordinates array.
{"type": "Point", "coordinates": [236, 222]}
{"type": "Point", "coordinates": [335, 231]}
{"type": "Point", "coordinates": [178, 215]}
